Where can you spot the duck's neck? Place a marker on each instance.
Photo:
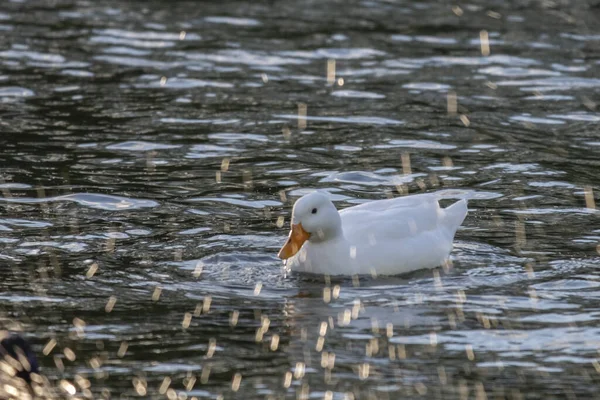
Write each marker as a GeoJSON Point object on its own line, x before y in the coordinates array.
{"type": "Point", "coordinates": [332, 233]}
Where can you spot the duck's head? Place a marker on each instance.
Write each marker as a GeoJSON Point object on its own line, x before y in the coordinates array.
{"type": "Point", "coordinates": [314, 218]}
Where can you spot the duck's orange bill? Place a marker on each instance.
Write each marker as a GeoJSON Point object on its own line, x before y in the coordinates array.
{"type": "Point", "coordinates": [295, 241]}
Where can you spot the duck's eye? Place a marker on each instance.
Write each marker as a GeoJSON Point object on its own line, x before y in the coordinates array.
{"type": "Point", "coordinates": [314, 211]}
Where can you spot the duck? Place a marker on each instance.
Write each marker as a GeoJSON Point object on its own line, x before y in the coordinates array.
{"type": "Point", "coordinates": [381, 237]}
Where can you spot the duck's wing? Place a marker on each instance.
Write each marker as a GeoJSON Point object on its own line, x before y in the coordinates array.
{"type": "Point", "coordinates": [397, 202]}
{"type": "Point", "coordinates": [400, 218]}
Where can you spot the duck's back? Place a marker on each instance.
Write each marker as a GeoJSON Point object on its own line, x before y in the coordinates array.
{"type": "Point", "coordinates": [403, 234]}
{"type": "Point", "coordinates": [394, 218]}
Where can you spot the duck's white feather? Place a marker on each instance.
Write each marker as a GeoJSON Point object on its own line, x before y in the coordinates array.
{"type": "Point", "coordinates": [385, 237]}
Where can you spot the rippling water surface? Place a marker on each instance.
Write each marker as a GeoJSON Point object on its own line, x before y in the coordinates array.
{"type": "Point", "coordinates": [150, 150]}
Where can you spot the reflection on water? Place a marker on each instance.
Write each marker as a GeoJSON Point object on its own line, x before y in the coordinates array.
{"type": "Point", "coordinates": [151, 154]}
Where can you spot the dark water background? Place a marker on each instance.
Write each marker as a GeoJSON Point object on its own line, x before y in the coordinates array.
{"type": "Point", "coordinates": [149, 148]}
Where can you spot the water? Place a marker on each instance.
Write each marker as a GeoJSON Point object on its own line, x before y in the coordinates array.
{"type": "Point", "coordinates": [149, 149]}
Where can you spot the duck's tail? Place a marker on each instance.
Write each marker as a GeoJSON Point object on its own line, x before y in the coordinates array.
{"type": "Point", "coordinates": [454, 215]}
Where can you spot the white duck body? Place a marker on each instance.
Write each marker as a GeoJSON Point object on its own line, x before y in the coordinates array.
{"type": "Point", "coordinates": [382, 237]}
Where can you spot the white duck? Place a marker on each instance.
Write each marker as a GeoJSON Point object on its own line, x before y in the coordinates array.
{"type": "Point", "coordinates": [382, 237]}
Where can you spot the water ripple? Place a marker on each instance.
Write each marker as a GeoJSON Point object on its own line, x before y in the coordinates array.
{"type": "Point", "coordinates": [137, 145]}
{"type": "Point", "coordinates": [349, 120]}
{"type": "Point", "coordinates": [92, 200]}
{"type": "Point", "coordinates": [551, 84]}
{"type": "Point", "coordinates": [50, 59]}
{"type": "Point", "coordinates": [256, 58]}
{"type": "Point", "coordinates": [537, 120]}
{"type": "Point", "coordinates": [16, 92]}
{"type": "Point", "coordinates": [518, 72]}
{"type": "Point", "coordinates": [426, 86]}
{"type": "Point", "coordinates": [339, 54]}
{"type": "Point", "coordinates": [357, 94]}
{"type": "Point", "coordinates": [24, 223]}
{"type": "Point", "coordinates": [416, 144]}
{"type": "Point", "coordinates": [448, 61]}
{"type": "Point", "coordinates": [237, 202]}
{"type": "Point", "coordinates": [369, 178]}
{"type": "Point", "coordinates": [233, 21]}
{"type": "Point", "coordinates": [183, 83]}
{"type": "Point", "coordinates": [138, 62]}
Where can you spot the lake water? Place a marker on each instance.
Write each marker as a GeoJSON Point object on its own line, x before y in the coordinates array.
{"type": "Point", "coordinates": [151, 153]}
